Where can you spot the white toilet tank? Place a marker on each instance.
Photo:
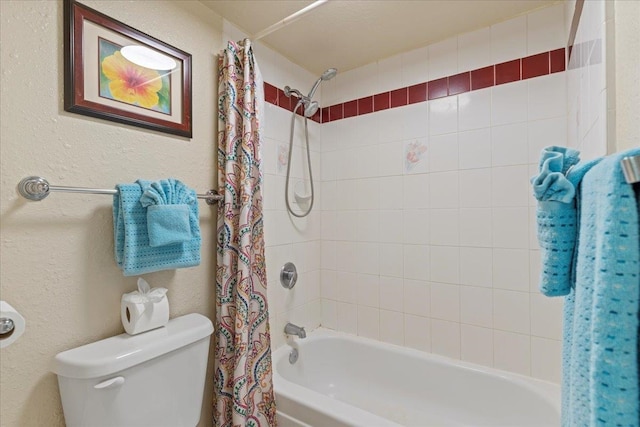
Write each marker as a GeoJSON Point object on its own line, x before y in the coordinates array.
{"type": "Point", "coordinates": [152, 379]}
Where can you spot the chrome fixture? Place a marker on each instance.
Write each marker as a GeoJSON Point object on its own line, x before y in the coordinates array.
{"type": "Point", "coordinates": [310, 108]}
{"type": "Point", "coordinates": [631, 169]}
{"type": "Point", "coordinates": [327, 75]}
{"type": "Point", "coordinates": [288, 275]}
{"type": "Point", "coordinates": [291, 329]}
{"type": "Point", "coordinates": [37, 188]}
{"type": "Point", "coordinates": [7, 326]}
{"type": "Point", "coordinates": [293, 356]}
{"type": "Point", "coordinates": [288, 20]}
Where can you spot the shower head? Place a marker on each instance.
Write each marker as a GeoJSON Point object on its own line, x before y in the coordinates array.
{"type": "Point", "coordinates": [310, 108]}
{"type": "Point", "coordinates": [327, 75]}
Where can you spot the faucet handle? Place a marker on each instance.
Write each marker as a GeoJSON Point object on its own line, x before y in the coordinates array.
{"type": "Point", "coordinates": [288, 275]}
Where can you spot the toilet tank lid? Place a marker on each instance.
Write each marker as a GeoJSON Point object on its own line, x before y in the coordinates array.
{"type": "Point", "coordinates": [123, 351]}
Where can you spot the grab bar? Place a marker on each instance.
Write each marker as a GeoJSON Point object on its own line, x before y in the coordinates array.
{"type": "Point", "coordinates": [37, 188]}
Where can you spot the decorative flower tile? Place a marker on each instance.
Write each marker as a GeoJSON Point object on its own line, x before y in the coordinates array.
{"type": "Point", "coordinates": [415, 156]}
{"type": "Point", "coordinates": [283, 158]}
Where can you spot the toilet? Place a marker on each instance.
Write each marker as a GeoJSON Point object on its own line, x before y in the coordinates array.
{"type": "Point", "coordinates": [152, 379]}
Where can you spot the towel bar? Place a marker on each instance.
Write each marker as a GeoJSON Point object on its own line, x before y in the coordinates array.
{"type": "Point", "coordinates": [37, 188]}
{"type": "Point", "coordinates": [631, 169]}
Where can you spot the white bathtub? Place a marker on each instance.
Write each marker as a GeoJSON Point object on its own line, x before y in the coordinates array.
{"type": "Point", "coordinates": [341, 380]}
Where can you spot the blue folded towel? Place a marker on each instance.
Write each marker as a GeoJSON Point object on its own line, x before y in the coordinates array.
{"type": "Point", "coordinates": [133, 252]}
{"type": "Point", "coordinates": [600, 349]}
{"type": "Point", "coordinates": [555, 189]}
{"type": "Point", "coordinates": [168, 204]}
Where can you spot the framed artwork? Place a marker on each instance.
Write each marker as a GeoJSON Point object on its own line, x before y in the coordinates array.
{"type": "Point", "coordinates": [115, 72]}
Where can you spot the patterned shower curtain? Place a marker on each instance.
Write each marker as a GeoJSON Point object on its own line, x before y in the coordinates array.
{"type": "Point", "coordinates": [243, 386]}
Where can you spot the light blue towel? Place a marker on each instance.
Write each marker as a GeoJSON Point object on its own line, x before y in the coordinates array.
{"type": "Point", "coordinates": [600, 349]}
{"type": "Point", "coordinates": [555, 189]}
{"type": "Point", "coordinates": [169, 204]}
{"type": "Point", "coordinates": [133, 253]}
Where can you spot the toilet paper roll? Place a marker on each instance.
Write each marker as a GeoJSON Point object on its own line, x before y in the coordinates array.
{"type": "Point", "coordinates": [142, 317]}
{"type": "Point", "coordinates": [19, 324]}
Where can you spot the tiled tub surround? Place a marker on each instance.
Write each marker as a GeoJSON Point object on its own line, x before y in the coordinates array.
{"type": "Point", "coordinates": [427, 236]}
{"type": "Point", "coordinates": [427, 226]}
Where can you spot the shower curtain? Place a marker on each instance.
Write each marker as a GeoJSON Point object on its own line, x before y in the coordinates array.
{"type": "Point", "coordinates": [242, 385]}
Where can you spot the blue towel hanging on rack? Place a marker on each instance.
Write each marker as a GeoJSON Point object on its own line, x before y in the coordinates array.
{"type": "Point", "coordinates": [133, 252]}
{"type": "Point", "coordinates": [600, 349]}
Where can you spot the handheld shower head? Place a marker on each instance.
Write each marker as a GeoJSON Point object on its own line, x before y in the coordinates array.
{"type": "Point", "coordinates": [327, 75]}
{"type": "Point", "coordinates": [310, 108]}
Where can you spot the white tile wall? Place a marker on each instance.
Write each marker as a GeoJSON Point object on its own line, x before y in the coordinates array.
{"type": "Point", "coordinates": [509, 40]}
{"type": "Point", "coordinates": [588, 89]}
{"type": "Point", "coordinates": [443, 58]}
{"type": "Point", "coordinates": [474, 50]}
{"type": "Point", "coordinates": [439, 257]}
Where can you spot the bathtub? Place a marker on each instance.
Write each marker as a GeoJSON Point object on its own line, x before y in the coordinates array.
{"type": "Point", "coordinates": [341, 380]}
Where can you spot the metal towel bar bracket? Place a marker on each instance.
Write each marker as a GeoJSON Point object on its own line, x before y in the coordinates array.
{"type": "Point", "coordinates": [631, 169]}
{"type": "Point", "coordinates": [37, 188]}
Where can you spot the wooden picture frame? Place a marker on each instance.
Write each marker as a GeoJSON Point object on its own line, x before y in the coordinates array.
{"type": "Point", "coordinates": [100, 82]}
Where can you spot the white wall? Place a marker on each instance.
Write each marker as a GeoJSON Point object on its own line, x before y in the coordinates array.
{"type": "Point", "coordinates": [590, 77]}
{"type": "Point", "coordinates": [57, 266]}
{"type": "Point", "coordinates": [443, 256]}
{"type": "Point", "coordinates": [627, 74]}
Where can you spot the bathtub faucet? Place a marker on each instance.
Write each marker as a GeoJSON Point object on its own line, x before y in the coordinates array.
{"type": "Point", "coordinates": [291, 329]}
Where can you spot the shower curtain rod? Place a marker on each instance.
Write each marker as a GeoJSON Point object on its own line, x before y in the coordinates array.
{"type": "Point", "coordinates": [288, 20]}
{"type": "Point", "coordinates": [37, 188]}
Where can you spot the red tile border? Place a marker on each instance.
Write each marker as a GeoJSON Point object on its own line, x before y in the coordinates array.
{"type": "Point", "coordinates": [511, 71]}
{"type": "Point", "coordinates": [508, 72]}
{"type": "Point", "coordinates": [283, 101]}
{"type": "Point", "coordinates": [438, 88]}
{"type": "Point", "coordinates": [399, 97]}
{"type": "Point", "coordinates": [460, 83]}
{"type": "Point", "coordinates": [324, 114]}
{"type": "Point", "coordinates": [335, 112]}
{"type": "Point", "coordinates": [535, 65]}
{"type": "Point", "coordinates": [483, 78]}
{"type": "Point", "coordinates": [381, 101]}
{"type": "Point", "coordinates": [350, 108]}
{"type": "Point", "coordinates": [557, 60]}
{"type": "Point", "coordinates": [365, 105]}
{"type": "Point", "coordinates": [270, 94]}
{"type": "Point", "coordinates": [417, 93]}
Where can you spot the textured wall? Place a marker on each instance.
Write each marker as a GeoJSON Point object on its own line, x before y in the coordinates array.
{"type": "Point", "coordinates": [57, 265]}
{"type": "Point", "coordinates": [627, 46]}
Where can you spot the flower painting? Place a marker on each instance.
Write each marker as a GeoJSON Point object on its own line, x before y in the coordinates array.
{"type": "Point", "coordinates": [117, 73]}
{"type": "Point", "coordinates": [124, 81]}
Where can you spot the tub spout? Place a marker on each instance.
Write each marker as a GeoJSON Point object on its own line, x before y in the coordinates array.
{"type": "Point", "coordinates": [291, 329]}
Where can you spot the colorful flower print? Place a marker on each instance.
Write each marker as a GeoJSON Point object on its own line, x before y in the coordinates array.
{"type": "Point", "coordinates": [131, 83]}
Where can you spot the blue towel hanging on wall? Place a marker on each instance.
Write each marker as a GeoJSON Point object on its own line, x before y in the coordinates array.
{"type": "Point", "coordinates": [133, 251]}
